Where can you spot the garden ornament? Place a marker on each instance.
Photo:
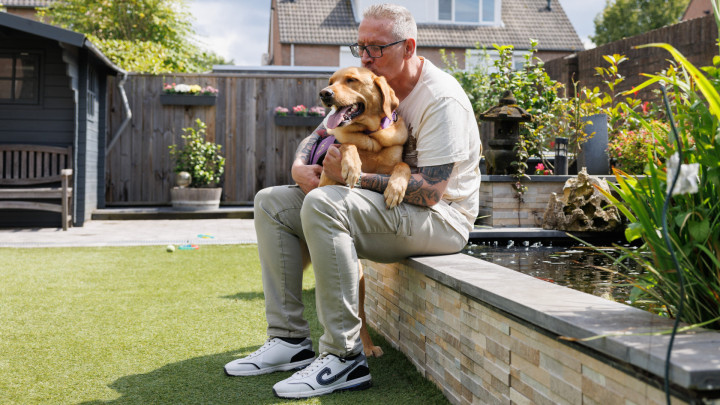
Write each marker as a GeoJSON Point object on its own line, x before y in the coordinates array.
{"type": "Point", "coordinates": [506, 117]}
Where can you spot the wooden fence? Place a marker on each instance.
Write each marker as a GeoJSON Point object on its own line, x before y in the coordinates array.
{"type": "Point", "coordinates": [139, 170]}
{"type": "Point", "coordinates": [695, 39]}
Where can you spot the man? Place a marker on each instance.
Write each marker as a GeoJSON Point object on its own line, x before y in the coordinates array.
{"type": "Point", "coordinates": [340, 224]}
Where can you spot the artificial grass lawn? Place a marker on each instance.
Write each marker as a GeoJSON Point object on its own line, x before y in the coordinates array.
{"type": "Point", "coordinates": [139, 325]}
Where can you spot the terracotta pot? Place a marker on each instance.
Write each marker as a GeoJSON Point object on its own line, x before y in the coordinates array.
{"type": "Point", "coordinates": [195, 199]}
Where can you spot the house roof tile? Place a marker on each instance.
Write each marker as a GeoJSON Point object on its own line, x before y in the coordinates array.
{"type": "Point", "coordinates": [331, 22]}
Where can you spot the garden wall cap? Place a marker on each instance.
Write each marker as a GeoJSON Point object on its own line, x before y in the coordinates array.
{"type": "Point", "coordinates": [507, 110]}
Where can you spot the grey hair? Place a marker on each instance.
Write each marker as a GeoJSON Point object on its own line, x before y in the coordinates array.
{"type": "Point", "coordinates": [404, 25]}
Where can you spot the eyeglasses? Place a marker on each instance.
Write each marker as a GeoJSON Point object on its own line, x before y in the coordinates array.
{"type": "Point", "coordinates": [373, 51]}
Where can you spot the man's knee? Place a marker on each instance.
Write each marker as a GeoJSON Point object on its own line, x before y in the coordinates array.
{"type": "Point", "coordinates": [319, 203]}
{"type": "Point", "coordinates": [278, 198]}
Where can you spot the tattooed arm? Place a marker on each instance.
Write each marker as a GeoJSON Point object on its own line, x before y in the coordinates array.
{"type": "Point", "coordinates": [307, 176]}
{"type": "Point", "coordinates": [425, 188]}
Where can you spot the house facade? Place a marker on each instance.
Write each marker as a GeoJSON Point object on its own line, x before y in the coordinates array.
{"type": "Point", "coordinates": [318, 32]}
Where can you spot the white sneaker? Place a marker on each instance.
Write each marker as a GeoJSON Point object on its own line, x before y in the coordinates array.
{"type": "Point", "coordinates": [327, 374]}
{"type": "Point", "coordinates": [275, 355]}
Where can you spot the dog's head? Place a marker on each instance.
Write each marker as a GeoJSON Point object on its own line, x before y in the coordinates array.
{"type": "Point", "coordinates": [359, 98]}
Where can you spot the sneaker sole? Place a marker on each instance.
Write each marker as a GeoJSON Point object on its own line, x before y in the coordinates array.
{"type": "Point", "coordinates": [347, 386]}
{"type": "Point", "coordinates": [298, 365]}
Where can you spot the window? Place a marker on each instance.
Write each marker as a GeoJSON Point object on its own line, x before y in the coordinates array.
{"type": "Point", "coordinates": [486, 58]}
{"type": "Point", "coordinates": [467, 11]}
{"type": "Point", "coordinates": [19, 77]}
{"type": "Point", "coordinates": [91, 94]}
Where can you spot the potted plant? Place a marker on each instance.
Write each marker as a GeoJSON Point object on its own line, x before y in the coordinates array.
{"type": "Point", "coordinates": [201, 160]}
{"type": "Point", "coordinates": [301, 116]}
{"type": "Point", "coordinates": [188, 94]}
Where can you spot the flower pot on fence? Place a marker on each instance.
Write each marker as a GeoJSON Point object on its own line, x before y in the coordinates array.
{"type": "Point", "coordinates": [195, 199]}
{"type": "Point", "coordinates": [298, 120]}
{"type": "Point", "coordinates": [187, 99]}
{"type": "Point", "coordinates": [593, 154]}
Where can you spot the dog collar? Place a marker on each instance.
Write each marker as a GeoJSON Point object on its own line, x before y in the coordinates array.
{"type": "Point", "coordinates": [385, 122]}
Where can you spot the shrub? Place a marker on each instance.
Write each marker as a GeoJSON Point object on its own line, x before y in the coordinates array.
{"type": "Point", "coordinates": [199, 158]}
{"type": "Point", "coordinates": [629, 148]}
{"type": "Point", "coordinates": [680, 228]}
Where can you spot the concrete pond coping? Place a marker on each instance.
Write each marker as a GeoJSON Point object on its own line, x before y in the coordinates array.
{"type": "Point", "coordinates": [563, 311]}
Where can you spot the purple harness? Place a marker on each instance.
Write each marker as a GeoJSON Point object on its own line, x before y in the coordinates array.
{"type": "Point", "coordinates": [317, 154]}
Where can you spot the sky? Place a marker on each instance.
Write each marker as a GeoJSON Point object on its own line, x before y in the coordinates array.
{"type": "Point", "coordinates": [238, 29]}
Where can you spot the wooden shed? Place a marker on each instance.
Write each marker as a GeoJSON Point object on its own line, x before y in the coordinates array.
{"type": "Point", "coordinates": [53, 92]}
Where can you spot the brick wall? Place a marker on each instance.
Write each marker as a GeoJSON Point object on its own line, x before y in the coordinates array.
{"type": "Point", "coordinates": [477, 354]}
{"type": "Point", "coordinates": [696, 39]}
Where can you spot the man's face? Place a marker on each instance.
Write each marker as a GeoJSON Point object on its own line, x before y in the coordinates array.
{"type": "Point", "coordinates": [377, 32]}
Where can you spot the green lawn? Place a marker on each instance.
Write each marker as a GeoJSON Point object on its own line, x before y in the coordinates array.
{"type": "Point", "coordinates": [137, 325]}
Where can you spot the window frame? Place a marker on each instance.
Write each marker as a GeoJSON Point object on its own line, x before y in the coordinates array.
{"type": "Point", "coordinates": [37, 77]}
{"type": "Point", "coordinates": [474, 56]}
{"type": "Point", "coordinates": [494, 22]}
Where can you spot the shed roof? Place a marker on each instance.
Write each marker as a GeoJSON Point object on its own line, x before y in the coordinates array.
{"type": "Point", "coordinates": [332, 22]}
{"type": "Point", "coordinates": [55, 33]}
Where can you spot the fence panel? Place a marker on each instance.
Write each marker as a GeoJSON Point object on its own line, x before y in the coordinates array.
{"type": "Point", "coordinates": [139, 170]}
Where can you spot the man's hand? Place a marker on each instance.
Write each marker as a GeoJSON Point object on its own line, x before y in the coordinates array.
{"type": "Point", "coordinates": [332, 164]}
{"type": "Point", "coordinates": [306, 176]}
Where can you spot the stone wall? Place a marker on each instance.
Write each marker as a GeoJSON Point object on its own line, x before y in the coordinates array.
{"type": "Point", "coordinates": [486, 334]}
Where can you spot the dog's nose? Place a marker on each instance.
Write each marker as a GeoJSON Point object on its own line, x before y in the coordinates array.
{"type": "Point", "coordinates": [326, 94]}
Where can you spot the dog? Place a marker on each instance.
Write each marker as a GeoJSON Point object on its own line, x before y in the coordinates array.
{"type": "Point", "coordinates": [371, 136]}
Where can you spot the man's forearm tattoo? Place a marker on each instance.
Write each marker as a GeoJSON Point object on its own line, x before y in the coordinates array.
{"type": "Point", "coordinates": [306, 146]}
{"type": "Point", "coordinates": [415, 194]}
{"type": "Point", "coordinates": [436, 174]}
{"type": "Point", "coordinates": [377, 182]}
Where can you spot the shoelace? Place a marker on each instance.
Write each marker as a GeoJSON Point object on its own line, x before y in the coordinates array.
{"type": "Point", "coordinates": [261, 349]}
{"type": "Point", "coordinates": [319, 362]}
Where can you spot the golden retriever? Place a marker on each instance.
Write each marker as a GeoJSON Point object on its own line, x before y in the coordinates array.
{"type": "Point", "coordinates": [371, 134]}
{"type": "Point", "coordinates": [371, 137]}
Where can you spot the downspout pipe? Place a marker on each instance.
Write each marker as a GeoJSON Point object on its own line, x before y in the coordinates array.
{"type": "Point", "coordinates": [126, 109]}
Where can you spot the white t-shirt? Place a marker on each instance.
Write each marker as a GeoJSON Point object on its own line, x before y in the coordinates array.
{"type": "Point", "coordinates": [442, 129]}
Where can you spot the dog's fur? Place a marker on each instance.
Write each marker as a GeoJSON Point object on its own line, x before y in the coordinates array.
{"type": "Point", "coordinates": [360, 100]}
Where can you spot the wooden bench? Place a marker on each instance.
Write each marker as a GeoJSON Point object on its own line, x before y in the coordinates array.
{"type": "Point", "coordinates": [33, 172]}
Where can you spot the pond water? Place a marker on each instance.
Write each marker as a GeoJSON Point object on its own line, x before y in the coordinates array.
{"type": "Point", "coordinates": [575, 267]}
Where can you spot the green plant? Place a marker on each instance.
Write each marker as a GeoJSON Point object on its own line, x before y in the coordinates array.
{"type": "Point", "coordinates": [692, 222]}
{"type": "Point", "coordinates": [198, 157]}
{"type": "Point", "coordinates": [629, 148]}
{"type": "Point", "coordinates": [533, 89]}
{"type": "Point", "coordinates": [149, 36]}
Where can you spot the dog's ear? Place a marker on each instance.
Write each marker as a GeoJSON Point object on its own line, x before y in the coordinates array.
{"type": "Point", "coordinates": [389, 101]}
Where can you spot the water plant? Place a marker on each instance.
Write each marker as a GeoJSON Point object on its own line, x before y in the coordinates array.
{"type": "Point", "coordinates": [679, 226]}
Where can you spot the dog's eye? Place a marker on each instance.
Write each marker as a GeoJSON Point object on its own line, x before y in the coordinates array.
{"type": "Point", "coordinates": [350, 80]}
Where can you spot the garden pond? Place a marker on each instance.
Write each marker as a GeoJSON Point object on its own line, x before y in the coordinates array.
{"type": "Point", "coordinates": [570, 265]}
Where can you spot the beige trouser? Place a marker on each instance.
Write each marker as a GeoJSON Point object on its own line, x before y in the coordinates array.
{"type": "Point", "coordinates": [338, 225]}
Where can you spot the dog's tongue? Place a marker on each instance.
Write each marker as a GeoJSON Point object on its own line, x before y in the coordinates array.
{"type": "Point", "coordinates": [336, 117]}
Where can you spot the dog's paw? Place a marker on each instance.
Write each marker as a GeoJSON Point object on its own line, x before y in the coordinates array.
{"type": "Point", "coordinates": [373, 351]}
{"type": "Point", "coordinates": [351, 171]}
{"type": "Point", "coordinates": [395, 192]}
